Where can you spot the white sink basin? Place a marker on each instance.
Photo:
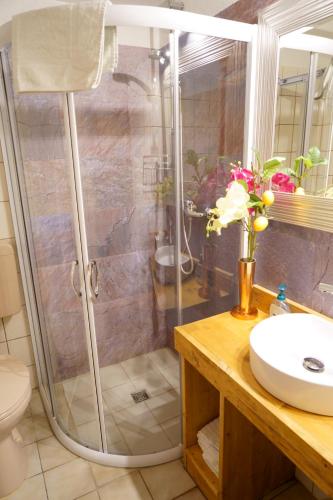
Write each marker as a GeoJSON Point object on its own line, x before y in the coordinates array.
{"type": "Point", "coordinates": [278, 347]}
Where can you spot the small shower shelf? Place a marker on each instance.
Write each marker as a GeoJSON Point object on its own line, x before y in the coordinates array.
{"type": "Point", "coordinates": [166, 294]}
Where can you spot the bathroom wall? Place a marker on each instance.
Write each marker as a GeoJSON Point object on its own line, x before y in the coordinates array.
{"type": "Point", "coordinates": [298, 256]}
{"type": "Point", "coordinates": [15, 336]}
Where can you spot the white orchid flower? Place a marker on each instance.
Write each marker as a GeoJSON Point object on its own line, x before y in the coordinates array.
{"type": "Point", "coordinates": [233, 206]}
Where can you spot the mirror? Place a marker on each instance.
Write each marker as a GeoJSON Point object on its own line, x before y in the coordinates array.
{"type": "Point", "coordinates": [304, 115]}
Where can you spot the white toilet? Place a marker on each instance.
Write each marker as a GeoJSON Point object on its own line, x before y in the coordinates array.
{"type": "Point", "coordinates": [15, 394]}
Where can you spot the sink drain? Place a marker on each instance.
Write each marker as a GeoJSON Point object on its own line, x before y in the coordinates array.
{"type": "Point", "coordinates": [313, 365]}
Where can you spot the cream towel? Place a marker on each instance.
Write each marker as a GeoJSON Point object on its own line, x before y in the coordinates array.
{"type": "Point", "coordinates": [208, 440]}
{"type": "Point", "coordinates": [61, 49]}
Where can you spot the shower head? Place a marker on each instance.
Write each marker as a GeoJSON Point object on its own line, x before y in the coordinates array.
{"type": "Point", "coordinates": [155, 54]}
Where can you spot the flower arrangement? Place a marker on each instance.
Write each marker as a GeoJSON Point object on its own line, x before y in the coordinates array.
{"type": "Point", "coordinates": [246, 201]}
{"type": "Point", "coordinates": [291, 179]}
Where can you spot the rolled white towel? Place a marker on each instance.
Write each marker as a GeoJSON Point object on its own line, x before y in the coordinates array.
{"type": "Point", "coordinates": [208, 440]}
{"type": "Point", "coordinates": [210, 433]}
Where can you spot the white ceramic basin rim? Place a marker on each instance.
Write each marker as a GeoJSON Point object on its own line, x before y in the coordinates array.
{"type": "Point", "coordinates": [278, 347]}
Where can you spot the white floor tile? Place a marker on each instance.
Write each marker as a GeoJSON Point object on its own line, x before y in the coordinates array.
{"type": "Point", "coordinates": [78, 387]}
{"type": "Point", "coordinates": [31, 489]}
{"type": "Point", "coordinates": [172, 375]}
{"type": "Point", "coordinates": [112, 432]}
{"type": "Point", "coordinates": [167, 481]}
{"type": "Point", "coordinates": [135, 418]}
{"type": "Point", "coordinates": [42, 427]}
{"type": "Point", "coordinates": [83, 410]}
{"type": "Point", "coordinates": [34, 465]}
{"type": "Point", "coordinates": [129, 487]}
{"type": "Point", "coordinates": [53, 453]}
{"type": "Point", "coordinates": [119, 397]}
{"type": "Point", "coordinates": [103, 474]}
{"type": "Point", "coordinates": [90, 496]}
{"type": "Point", "coordinates": [36, 404]}
{"type": "Point", "coordinates": [164, 357]}
{"type": "Point", "coordinates": [118, 448]}
{"type": "Point", "coordinates": [192, 495]}
{"type": "Point", "coordinates": [88, 434]}
{"type": "Point", "coordinates": [172, 429]}
{"type": "Point", "coordinates": [153, 382]}
{"type": "Point", "coordinates": [138, 366]}
{"type": "Point", "coordinates": [112, 375]}
{"type": "Point", "coordinates": [142, 441]}
{"type": "Point", "coordinates": [165, 406]}
{"type": "Point", "coordinates": [69, 481]}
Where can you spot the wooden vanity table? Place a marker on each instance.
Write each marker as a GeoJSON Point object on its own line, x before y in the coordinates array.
{"type": "Point", "coordinates": [262, 439]}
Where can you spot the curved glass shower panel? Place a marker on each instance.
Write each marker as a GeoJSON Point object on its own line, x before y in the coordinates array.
{"type": "Point", "coordinates": [212, 86]}
{"type": "Point", "coordinates": [45, 182]}
{"type": "Point", "coordinates": [124, 139]}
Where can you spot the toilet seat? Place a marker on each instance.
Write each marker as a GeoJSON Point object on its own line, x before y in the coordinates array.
{"type": "Point", "coordinates": [15, 385]}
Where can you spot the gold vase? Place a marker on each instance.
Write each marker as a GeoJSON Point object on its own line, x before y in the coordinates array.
{"type": "Point", "coordinates": [245, 309]}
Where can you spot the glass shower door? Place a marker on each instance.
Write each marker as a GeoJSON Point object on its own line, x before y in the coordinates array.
{"type": "Point", "coordinates": [124, 139]}
{"type": "Point", "coordinates": [45, 176]}
{"type": "Point", "coordinates": [212, 80]}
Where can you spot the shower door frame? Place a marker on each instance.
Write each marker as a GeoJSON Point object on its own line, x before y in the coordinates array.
{"type": "Point", "coordinates": [148, 17]}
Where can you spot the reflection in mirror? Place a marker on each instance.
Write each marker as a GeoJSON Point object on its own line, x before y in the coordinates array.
{"type": "Point", "coordinates": [304, 116]}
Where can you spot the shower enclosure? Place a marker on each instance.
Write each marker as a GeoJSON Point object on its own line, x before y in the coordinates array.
{"type": "Point", "coordinates": [109, 190]}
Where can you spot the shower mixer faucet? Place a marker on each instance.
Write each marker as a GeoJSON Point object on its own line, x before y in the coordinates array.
{"type": "Point", "coordinates": [190, 210]}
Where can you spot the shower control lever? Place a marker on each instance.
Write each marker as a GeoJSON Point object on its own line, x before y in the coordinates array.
{"type": "Point", "coordinates": [93, 278]}
{"type": "Point", "coordinates": [75, 263]}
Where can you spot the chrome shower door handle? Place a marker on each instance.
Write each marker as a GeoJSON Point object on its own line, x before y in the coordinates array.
{"type": "Point", "coordinates": [75, 263]}
{"type": "Point", "coordinates": [93, 278]}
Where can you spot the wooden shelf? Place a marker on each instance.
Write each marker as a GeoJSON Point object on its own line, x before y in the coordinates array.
{"type": "Point", "coordinates": [203, 476]}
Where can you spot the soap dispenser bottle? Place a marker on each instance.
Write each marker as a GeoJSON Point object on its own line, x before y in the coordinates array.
{"type": "Point", "coordinates": [279, 304]}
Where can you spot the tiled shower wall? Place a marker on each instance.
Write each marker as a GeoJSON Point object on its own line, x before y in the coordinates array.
{"type": "Point", "coordinates": [15, 336]}
{"type": "Point", "coordinates": [120, 142]}
{"type": "Point", "coordinates": [119, 129]}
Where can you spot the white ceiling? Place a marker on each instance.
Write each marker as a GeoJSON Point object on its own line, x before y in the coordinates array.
{"type": "Point", "coordinates": [8, 8]}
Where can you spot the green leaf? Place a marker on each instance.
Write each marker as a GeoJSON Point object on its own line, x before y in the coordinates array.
{"type": "Point", "coordinates": [274, 162]}
{"type": "Point", "coordinates": [307, 162]}
{"type": "Point", "coordinates": [244, 184]}
{"type": "Point", "coordinates": [314, 155]}
{"type": "Point", "coordinates": [252, 204]}
{"type": "Point", "coordinates": [254, 197]}
{"type": "Point", "coordinates": [272, 166]}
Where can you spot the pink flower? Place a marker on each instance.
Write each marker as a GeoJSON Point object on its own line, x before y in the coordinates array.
{"type": "Point", "coordinates": [288, 187]}
{"type": "Point", "coordinates": [282, 181]}
{"type": "Point", "coordinates": [244, 174]}
{"type": "Point", "coordinates": [280, 178]}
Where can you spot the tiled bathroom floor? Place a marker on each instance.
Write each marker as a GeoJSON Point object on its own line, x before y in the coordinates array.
{"type": "Point", "coordinates": [54, 473]}
{"type": "Point", "coordinates": [132, 428]}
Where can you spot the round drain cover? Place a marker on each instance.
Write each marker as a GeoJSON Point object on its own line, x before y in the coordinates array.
{"type": "Point", "coordinates": [313, 365]}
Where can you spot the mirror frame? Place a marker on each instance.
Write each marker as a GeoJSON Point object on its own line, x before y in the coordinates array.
{"type": "Point", "coordinates": [282, 18]}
